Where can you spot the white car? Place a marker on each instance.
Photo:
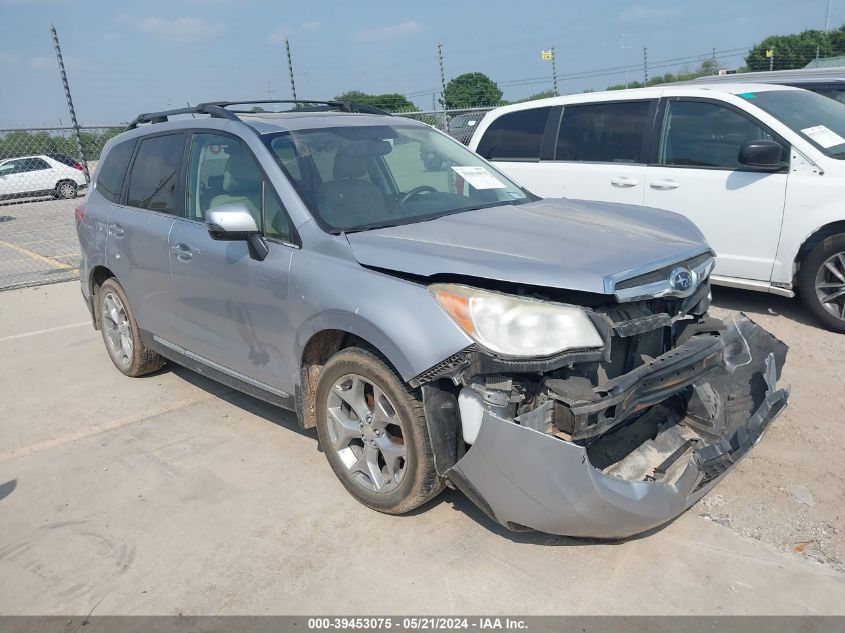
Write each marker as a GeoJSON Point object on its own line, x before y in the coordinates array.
{"type": "Point", "coordinates": [26, 176]}
{"type": "Point", "coordinates": [759, 168]}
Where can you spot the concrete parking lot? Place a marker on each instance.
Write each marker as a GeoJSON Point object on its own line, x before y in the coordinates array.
{"type": "Point", "coordinates": [171, 494]}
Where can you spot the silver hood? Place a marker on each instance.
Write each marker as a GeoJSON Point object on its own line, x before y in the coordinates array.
{"type": "Point", "coordinates": [566, 244]}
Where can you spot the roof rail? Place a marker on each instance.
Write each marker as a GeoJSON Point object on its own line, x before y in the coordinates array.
{"type": "Point", "coordinates": [220, 109]}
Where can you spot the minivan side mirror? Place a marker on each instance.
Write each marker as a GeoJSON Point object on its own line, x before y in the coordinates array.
{"type": "Point", "coordinates": [233, 223]}
{"type": "Point", "coordinates": [762, 154]}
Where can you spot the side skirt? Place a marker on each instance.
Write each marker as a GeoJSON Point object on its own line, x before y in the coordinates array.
{"type": "Point", "coordinates": [218, 374]}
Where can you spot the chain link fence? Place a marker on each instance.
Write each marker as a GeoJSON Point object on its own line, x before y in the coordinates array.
{"type": "Point", "coordinates": [42, 177]}
{"type": "Point", "coordinates": [459, 124]}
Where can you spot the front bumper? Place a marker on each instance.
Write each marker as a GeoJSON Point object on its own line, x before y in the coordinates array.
{"type": "Point", "coordinates": [529, 479]}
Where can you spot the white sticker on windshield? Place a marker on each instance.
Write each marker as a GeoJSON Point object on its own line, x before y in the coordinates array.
{"type": "Point", "coordinates": [823, 135]}
{"type": "Point", "coordinates": [479, 177]}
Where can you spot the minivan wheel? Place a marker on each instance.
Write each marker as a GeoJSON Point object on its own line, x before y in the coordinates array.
{"type": "Point", "coordinates": [120, 333]}
{"type": "Point", "coordinates": [66, 189]}
{"type": "Point", "coordinates": [821, 282]}
{"type": "Point", "coordinates": [373, 431]}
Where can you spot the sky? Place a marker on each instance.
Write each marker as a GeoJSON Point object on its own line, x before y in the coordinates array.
{"type": "Point", "coordinates": [127, 58]}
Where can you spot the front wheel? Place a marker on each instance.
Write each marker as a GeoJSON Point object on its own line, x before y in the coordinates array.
{"type": "Point", "coordinates": [374, 434]}
{"type": "Point", "coordinates": [821, 282]}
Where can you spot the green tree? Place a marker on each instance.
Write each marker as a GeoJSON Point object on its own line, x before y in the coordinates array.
{"type": "Point", "coordinates": [708, 67]}
{"type": "Point", "coordinates": [795, 50]}
{"type": "Point", "coordinates": [471, 90]}
{"type": "Point", "coordinates": [392, 102]}
{"type": "Point", "coordinates": [544, 94]}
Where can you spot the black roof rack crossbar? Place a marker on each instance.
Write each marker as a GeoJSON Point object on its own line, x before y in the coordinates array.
{"type": "Point", "coordinates": [220, 109]}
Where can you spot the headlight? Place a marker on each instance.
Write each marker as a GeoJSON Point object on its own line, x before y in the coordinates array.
{"type": "Point", "coordinates": [516, 326]}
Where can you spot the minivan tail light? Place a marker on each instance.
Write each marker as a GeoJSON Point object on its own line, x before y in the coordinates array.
{"type": "Point", "coordinates": [78, 166]}
{"type": "Point", "coordinates": [79, 215]}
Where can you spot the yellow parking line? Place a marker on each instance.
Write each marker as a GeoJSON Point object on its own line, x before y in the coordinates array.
{"type": "Point", "coordinates": [41, 258]}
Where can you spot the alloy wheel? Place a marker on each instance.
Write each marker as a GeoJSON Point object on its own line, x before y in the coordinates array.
{"type": "Point", "coordinates": [366, 433]}
{"type": "Point", "coordinates": [117, 329]}
{"type": "Point", "coordinates": [67, 190]}
{"type": "Point", "coordinates": [830, 285]}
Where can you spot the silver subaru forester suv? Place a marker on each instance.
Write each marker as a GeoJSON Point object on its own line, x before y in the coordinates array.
{"type": "Point", "coordinates": [552, 359]}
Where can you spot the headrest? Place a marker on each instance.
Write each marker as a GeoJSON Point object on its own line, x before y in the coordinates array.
{"type": "Point", "coordinates": [241, 172]}
{"type": "Point", "coordinates": [351, 160]}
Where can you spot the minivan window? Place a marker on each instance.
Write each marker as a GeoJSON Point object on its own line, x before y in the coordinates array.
{"type": "Point", "coordinates": [603, 132]}
{"type": "Point", "coordinates": [816, 118]}
{"type": "Point", "coordinates": [154, 178]}
{"type": "Point", "coordinates": [515, 135]}
{"type": "Point", "coordinates": [703, 134]}
{"type": "Point", "coordinates": [111, 175]}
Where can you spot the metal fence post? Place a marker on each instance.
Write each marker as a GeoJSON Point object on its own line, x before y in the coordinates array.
{"type": "Point", "coordinates": [73, 120]}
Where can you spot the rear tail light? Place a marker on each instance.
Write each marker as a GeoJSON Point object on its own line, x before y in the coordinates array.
{"type": "Point", "coordinates": [79, 214]}
{"type": "Point", "coordinates": [78, 166]}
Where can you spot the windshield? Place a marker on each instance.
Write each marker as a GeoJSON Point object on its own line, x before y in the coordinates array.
{"type": "Point", "coordinates": [361, 177]}
{"type": "Point", "coordinates": [816, 118]}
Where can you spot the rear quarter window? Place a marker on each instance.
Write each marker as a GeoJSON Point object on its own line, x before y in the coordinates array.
{"type": "Point", "coordinates": [603, 132]}
{"type": "Point", "coordinates": [112, 173]}
{"type": "Point", "coordinates": [515, 135]}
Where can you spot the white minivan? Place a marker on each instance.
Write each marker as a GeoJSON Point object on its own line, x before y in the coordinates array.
{"type": "Point", "coordinates": [759, 168]}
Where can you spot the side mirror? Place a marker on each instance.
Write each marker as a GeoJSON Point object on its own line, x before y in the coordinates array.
{"type": "Point", "coordinates": [762, 155]}
{"type": "Point", "coordinates": [233, 223]}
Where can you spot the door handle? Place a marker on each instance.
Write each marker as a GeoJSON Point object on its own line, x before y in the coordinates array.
{"type": "Point", "coordinates": [182, 251]}
{"type": "Point", "coordinates": [623, 181]}
{"type": "Point", "coordinates": [664, 185]}
{"type": "Point", "coordinates": [117, 230]}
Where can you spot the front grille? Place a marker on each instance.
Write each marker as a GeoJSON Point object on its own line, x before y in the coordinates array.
{"type": "Point", "coordinates": [661, 274]}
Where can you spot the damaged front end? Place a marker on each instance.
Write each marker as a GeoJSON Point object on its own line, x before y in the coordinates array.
{"type": "Point", "coordinates": [612, 442]}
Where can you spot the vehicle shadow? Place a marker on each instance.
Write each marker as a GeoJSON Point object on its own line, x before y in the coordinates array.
{"type": "Point", "coordinates": [8, 488]}
{"type": "Point", "coordinates": [528, 537]}
{"type": "Point", "coordinates": [265, 410]}
{"type": "Point", "coordinates": [456, 499]}
{"type": "Point", "coordinates": [761, 303]}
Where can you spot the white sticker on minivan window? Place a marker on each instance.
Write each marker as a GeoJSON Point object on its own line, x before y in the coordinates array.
{"type": "Point", "coordinates": [479, 177]}
{"type": "Point", "coordinates": [823, 135]}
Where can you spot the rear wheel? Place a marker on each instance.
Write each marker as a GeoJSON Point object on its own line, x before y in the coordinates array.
{"type": "Point", "coordinates": [374, 434]}
{"type": "Point", "coordinates": [821, 282]}
{"type": "Point", "coordinates": [121, 335]}
{"type": "Point", "coordinates": [66, 189]}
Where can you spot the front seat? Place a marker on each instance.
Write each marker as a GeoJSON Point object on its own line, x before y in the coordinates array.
{"type": "Point", "coordinates": [348, 200]}
{"type": "Point", "coordinates": [241, 183]}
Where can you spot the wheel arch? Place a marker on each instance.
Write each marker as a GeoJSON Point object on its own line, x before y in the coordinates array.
{"type": "Point", "coordinates": [320, 343]}
{"type": "Point", "coordinates": [816, 237]}
{"type": "Point", "coordinates": [96, 278]}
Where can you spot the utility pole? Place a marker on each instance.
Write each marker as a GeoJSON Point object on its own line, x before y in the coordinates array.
{"type": "Point", "coordinates": [270, 90]}
{"type": "Point", "coordinates": [290, 70]}
{"type": "Point", "coordinates": [73, 120]}
{"type": "Point", "coordinates": [715, 66]}
{"type": "Point", "coordinates": [645, 65]}
{"type": "Point", "coordinates": [626, 46]}
{"type": "Point", "coordinates": [554, 71]}
{"type": "Point", "coordinates": [827, 19]}
{"type": "Point", "coordinates": [442, 73]}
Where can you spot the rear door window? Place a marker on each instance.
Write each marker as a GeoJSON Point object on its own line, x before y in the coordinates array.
{"type": "Point", "coordinates": [604, 132]}
{"type": "Point", "coordinates": [154, 178]}
{"type": "Point", "coordinates": [515, 135]}
{"type": "Point", "coordinates": [111, 175]}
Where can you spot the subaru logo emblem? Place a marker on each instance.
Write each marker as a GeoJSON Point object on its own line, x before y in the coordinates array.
{"type": "Point", "coordinates": [681, 279]}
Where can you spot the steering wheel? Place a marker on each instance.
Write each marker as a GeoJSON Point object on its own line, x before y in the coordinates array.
{"type": "Point", "coordinates": [417, 191]}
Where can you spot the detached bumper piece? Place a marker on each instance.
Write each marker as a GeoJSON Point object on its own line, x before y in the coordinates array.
{"type": "Point", "coordinates": [637, 452]}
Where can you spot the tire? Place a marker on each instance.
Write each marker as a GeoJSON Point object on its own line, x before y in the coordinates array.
{"type": "Point", "coordinates": [66, 189]}
{"type": "Point", "coordinates": [822, 275]}
{"type": "Point", "coordinates": [407, 482]}
{"type": "Point", "coordinates": [120, 333]}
